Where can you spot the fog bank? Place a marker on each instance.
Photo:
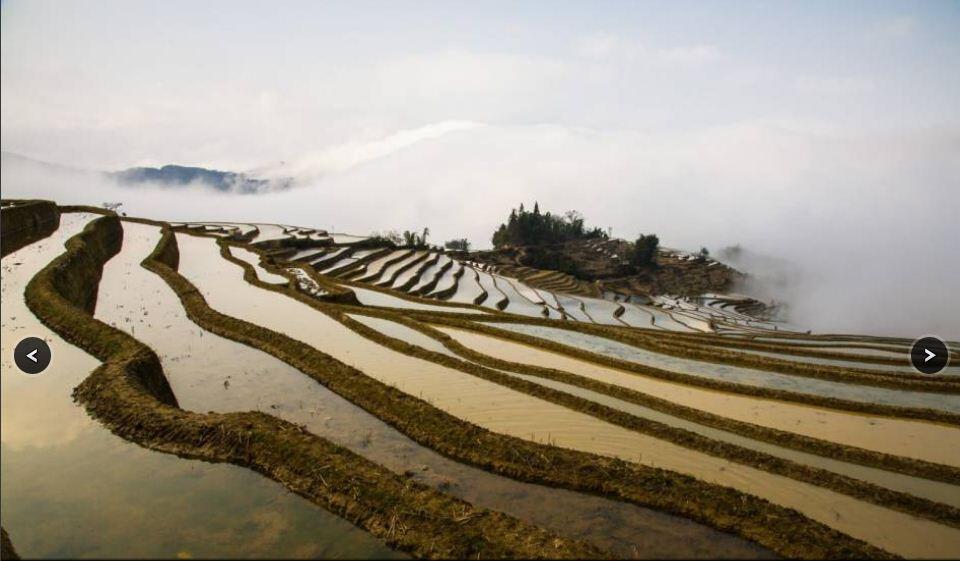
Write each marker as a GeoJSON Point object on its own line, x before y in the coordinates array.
{"type": "Point", "coordinates": [867, 225]}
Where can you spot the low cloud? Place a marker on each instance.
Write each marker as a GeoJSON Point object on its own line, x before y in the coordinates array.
{"type": "Point", "coordinates": [862, 229]}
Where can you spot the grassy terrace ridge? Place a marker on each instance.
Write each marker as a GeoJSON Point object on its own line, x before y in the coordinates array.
{"type": "Point", "coordinates": [641, 337]}
{"type": "Point", "coordinates": [416, 262]}
{"type": "Point", "coordinates": [907, 503]}
{"type": "Point", "coordinates": [910, 504]}
{"type": "Point", "coordinates": [26, 221]}
{"type": "Point", "coordinates": [477, 324]}
{"type": "Point", "coordinates": [529, 461]}
{"type": "Point", "coordinates": [130, 395]}
{"type": "Point", "coordinates": [908, 466]}
{"type": "Point", "coordinates": [449, 292]}
{"type": "Point", "coordinates": [714, 340]}
{"type": "Point", "coordinates": [899, 464]}
{"type": "Point", "coordinates": [816, 352]}
{"type": "Point", "coordinates": [422, 264]}
{"type": "Point", "coordinates": [703, 350]}
{"type": "Point", "coordinates": [431, 284]}
{"type": "Point", "coordinates": [272, 267]}
{"type": "Point", "coordinates": [677, 344]}
{"type": "Point", "coordinates": [822, 350]}
{"type": "Point", "coordinates": [359, 267]}
{"type": "Point", "coordinates": [669, 343]}
{"type": "Point", "coordinates": [7, 551]}
{"type": "Point", "coordinates": [657, 341]}
{"type": "Point", "coordinates": [358, 274]}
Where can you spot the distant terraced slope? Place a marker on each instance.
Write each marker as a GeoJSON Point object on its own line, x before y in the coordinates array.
{"type": "Point", "coordinates": [602, 265]}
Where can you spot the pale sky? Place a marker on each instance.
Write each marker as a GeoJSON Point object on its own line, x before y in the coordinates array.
{"type": "Point", "coordinates": [827, 133]}
{"type": "Point", "coordinates": [247, 84]}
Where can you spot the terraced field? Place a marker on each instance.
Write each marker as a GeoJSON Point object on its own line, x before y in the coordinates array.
{"type": "Point", "coordinates": [373, 401]}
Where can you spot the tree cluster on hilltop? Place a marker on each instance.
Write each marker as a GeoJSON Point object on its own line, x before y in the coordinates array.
{"type": "Point", "coordinates": [459, 244]}
{"type": "Point", "coordinates": [408, 238]}
{"type": "Point", "coordinates": [644, 252]}
{"type": "Point", "coordinates": [535, 228]}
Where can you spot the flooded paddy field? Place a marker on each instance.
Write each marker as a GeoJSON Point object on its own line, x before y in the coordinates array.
{"type": "Point", "coordinates": [208, 372]}
{"type": "Point", "coordinates": [902, 356]}
{"type": "Point", "coordinates": [50, 445]}
{"type": "Point", "coordinates": [509, 412]}
{"type": "Point", "coordinates": [505, 383]}
{"type": "Point", "coordinates": [900, 437]}
{"type": "Point", "coordinates": [738, 374]}
{"type": "Point", "coordinates": [929, 489]}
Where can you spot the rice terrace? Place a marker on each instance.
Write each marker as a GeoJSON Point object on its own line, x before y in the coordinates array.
{"type": "Point", "coordinates": [563, 395]}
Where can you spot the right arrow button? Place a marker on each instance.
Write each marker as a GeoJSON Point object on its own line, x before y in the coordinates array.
{"type": "Point", "coordinates": [929, 355]}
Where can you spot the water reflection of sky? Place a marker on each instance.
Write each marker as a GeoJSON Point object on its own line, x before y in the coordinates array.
{"type": "Point", "coordinates": [70, 488]}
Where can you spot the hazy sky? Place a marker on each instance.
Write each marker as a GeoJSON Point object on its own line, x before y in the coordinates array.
{"type": "Point", "coordinates": [825, 132]}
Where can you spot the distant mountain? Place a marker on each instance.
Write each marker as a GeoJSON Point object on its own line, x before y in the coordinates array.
{"type": "Point", "coordinates": [167, 176]}
{"type": "Point", "coordinates": [181, 176]}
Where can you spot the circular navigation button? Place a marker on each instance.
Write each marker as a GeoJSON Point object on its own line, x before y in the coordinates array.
{"type": "Point", "coordinates": [929, 355]}
{"type": "Point", "coordinates": [32, 355]}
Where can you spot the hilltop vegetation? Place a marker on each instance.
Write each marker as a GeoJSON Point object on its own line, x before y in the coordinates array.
{"type": "Point", "coordinates": [535, 240]}
{"type": "Point", "coordinates": [533, 228]}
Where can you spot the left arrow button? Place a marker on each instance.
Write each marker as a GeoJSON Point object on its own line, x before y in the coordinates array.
{"type": "Point", "coordinates": [32, 355]}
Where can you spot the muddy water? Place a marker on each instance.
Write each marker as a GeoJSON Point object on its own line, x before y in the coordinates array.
{"type": "Point", "coordinates": [369, 297]}
{"type": "Point", "coordinates": [254, 259]}
{"type": "Point", "coordinates": [887, 353]}
{"type": "Point", "coordinates": [72, 489]}
{"type": "Point", "coordinates": [738, 374]}
{"type": "Point", "coordinates": [850, 363]}
{"type": "Point", "coordinates": [915, 439]}
{"type": "Point", "coordinates": [502, 410]}
{"type": "Point", "coordinates": [403, 333]}
{"type": "Point", "coordinates": [210, 373]}
{"type": "Point", "coordinates": [932, 490]}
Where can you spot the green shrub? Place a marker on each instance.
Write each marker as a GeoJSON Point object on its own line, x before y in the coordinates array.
{"type": "Point", "coordinates": [645, 250]}
{"type": "Point", "coordinates": [534, 228]}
